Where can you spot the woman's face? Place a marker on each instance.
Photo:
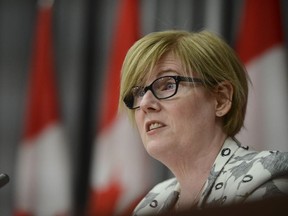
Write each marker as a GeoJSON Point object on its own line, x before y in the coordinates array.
{"type": "Point", "coordinates": [177, 124]}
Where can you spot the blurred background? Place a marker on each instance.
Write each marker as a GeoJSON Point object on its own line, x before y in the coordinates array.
{"type": "Point", "coordinates": [83, 33]}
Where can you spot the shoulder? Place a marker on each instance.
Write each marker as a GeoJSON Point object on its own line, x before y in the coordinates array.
{"type": "Point", "coordinates": [257, 166]}
{"type": "Point", "coordinates": [159, 198]}
{"type": "Point", "coordinates": [241, 174]}
{"type": "Point", "coordinates": [270, 163]}
{"type": "Point", "coordinates": [242, 158]}
{"type": "Point", "coordinates": [257, 175]}
{"type": "Point", "coordinates": [266, 177]}
{"type": "Point", "coordinates": [168, 184]}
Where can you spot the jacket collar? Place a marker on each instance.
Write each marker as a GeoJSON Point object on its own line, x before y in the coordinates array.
{"type": "Point", "coordinates": [230, 146]}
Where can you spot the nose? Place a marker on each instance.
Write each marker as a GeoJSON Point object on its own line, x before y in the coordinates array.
{"type": "Point", "coordinates": [149, 102]}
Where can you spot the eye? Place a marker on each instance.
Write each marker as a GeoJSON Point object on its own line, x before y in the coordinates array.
{"type": "Point", "coordinates": [165, 84]}
{"type": "Point", "coordinates": [170, 86]}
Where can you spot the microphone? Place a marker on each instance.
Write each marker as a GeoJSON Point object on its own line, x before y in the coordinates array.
{"type": "Point", "coordinates": [4, 179]}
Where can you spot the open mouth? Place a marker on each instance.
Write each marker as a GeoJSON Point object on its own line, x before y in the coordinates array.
{"type": "Point", "coordinates": [153, 126]}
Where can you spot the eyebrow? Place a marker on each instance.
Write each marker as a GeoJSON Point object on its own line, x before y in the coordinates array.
{"type": "Point", "coordinates": [163, 72]}
{"type": "Point", "coordinates": [168, 70]}
{"type": "Point", "coordinates": [144, 83]}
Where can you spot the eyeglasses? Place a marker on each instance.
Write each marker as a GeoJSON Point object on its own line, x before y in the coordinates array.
{"type": "Point", "coordinates": [162, 88]}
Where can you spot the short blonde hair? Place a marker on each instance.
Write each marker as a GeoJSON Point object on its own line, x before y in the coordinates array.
{"type": "Point", "coordinates": [202, 52]}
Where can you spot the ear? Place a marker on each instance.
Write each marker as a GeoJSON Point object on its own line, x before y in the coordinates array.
{"type": "Point", "coordinates": [223, 95]}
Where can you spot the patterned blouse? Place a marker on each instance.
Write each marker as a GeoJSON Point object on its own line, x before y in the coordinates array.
{"type": "Point", "coordinates": [238, 175]}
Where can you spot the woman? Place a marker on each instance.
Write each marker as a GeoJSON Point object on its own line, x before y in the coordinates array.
{"type": "Point", "coordinates": [187, 94]}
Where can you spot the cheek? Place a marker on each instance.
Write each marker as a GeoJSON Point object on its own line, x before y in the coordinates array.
{"type": "Point", "coordinates": [196, 115]}
{"type": "Point", "coordinates": [139, 123]}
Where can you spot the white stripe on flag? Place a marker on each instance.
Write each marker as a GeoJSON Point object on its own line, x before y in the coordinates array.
{"type": "Point", "coordinates": [267, 120]}
{"type": "Point", "coordinates": [43, 181]}
{"type": "Point", "coordinates": [120, 155]}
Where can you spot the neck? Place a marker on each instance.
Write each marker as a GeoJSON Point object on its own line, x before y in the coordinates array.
{"type": "Point", "coordinates": [189, 199]}
{"type": "Point", "coordinates": [190, 192]}
{"type": "Point", "coordinates": [195, 160]}
{"type": "Point", "coordinates": [192, 170]}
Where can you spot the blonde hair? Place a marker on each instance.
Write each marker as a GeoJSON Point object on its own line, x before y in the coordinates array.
{"type": "Point", "coordinates": [202, 52]}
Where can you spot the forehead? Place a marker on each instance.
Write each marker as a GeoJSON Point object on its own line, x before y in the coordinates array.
{"type": "Point", "coordinates": [168, 64]}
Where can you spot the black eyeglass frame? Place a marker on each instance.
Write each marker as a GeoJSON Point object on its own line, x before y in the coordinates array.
{"type": "Point", "coordinates": [129, 99]}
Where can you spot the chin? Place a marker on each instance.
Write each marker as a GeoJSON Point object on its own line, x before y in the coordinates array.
{"type": "Point", "coordinates": [156, 149]}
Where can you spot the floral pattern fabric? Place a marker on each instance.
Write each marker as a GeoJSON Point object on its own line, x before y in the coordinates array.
{"type": "Point", "coordinates": [238, 175]}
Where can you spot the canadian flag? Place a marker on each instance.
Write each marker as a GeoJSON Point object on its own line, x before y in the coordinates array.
{"type": "Point", "coordinates": [261, 47]}
{"type": "Point", "coordinates": [43, 173]}
{"type": "Point", "coordinates": [121, 169]}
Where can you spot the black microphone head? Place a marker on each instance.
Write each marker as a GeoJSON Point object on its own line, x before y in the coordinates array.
{"type": "Point", "coordinates": [4, 179]}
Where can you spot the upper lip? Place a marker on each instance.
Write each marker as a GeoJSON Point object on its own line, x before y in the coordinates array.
{"type": "Point", "coordinates": [151, 123]}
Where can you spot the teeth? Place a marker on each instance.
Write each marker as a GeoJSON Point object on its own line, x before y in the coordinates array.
{"type": "Point", "coordinates": [155, 125]}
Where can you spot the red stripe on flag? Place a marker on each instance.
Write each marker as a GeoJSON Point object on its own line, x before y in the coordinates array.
{"type": "Point", "coordinates": [42, 96]}
{"type": "Point", "coordinates": [255, 34]}
{"type": "Point", "coordinates": [261, 47]}
{"type": "Point", "coordinates": [42, 184]}
{"type": "Point", "coordinates": [104, 200]}
{"type": "Point", "coordinates": [125, 34]}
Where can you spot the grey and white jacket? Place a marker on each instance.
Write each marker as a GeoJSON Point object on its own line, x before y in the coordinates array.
{"type": "Point", "coordinates": [238, 175]}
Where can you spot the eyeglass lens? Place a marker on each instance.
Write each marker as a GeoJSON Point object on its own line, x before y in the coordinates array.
{"type": "Point", "coordinates": [161, 88]}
